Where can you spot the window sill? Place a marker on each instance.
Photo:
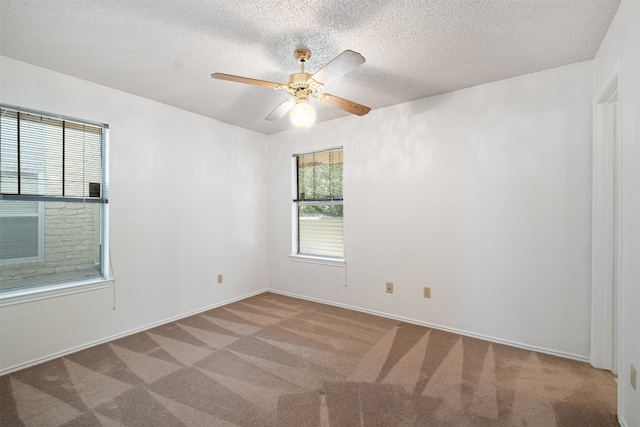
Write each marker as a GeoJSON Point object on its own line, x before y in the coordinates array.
{"type": "Point", "coordinates": [334, 262]}
{"type": "Point", "coordinates": [20, 296]}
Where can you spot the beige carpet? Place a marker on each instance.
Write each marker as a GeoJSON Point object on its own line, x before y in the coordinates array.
{"type": "Point", "coordinates": [271, 360]}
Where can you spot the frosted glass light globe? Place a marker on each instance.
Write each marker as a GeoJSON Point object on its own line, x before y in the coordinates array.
{"type": "Point", "coordinates": [302, 114]}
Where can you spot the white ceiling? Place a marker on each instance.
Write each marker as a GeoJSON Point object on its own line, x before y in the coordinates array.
{"type": "Point", "coordinates": [166, 50]}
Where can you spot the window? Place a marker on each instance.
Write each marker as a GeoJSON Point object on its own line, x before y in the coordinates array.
{"type": "Point", "coordinates": [53, 199]}
{"type": "Point", "coordinates": [318, 204]}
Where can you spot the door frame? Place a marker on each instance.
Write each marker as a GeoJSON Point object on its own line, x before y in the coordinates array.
{"type": "Point", "coordinates": [606, 238]}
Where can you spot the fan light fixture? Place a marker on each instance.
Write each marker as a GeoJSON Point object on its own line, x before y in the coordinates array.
{"type": "Point", "coordinates": [302, 86]}
{"type": "Point", "coordinates": [302, 114]}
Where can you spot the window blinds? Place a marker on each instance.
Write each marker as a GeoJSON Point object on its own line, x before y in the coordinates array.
{"type": "Point", "coordinates": [320, 175]}
{"type": "Point", "coordinates": [49, 156]}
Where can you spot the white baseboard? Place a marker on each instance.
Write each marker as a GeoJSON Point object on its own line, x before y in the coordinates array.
{"type": "Point", "coordinates": [124, 334]}
{"type": "Point", "coordinates": [622, 422]}
{"type": "Point", "coordinates": [440, 327]}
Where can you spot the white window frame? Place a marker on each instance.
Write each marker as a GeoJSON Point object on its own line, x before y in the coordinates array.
{"type": "Point", "coordinates": [295, 237]}
{"type": "Point", "coordinates": [27, 293]}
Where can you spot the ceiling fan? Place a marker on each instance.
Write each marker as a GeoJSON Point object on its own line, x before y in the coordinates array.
{"type": "Point", "coordinates": [301, 86]}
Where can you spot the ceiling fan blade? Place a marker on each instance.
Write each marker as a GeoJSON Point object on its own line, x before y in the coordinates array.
{"type": "Point", "coordinates": [344, 104]}
{"type": "Point", "coordinates": [246, 80]}
{"type": "Point", "coordinates": [281, 109]}
{"type": "Point", "coordinates": [341, 64]}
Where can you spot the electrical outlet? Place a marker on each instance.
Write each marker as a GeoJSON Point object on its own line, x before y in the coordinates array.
{"type": "Point", "coordinates": [634, 377]}
{"type": "Point", "coordinates": [427, 292]}
{"type": "Point", "coordinates": [389, 287]}
{"type": "Point", "coordinates": [219, 279]}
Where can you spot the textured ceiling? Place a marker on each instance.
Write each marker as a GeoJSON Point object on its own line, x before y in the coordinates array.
{"type": "Point", "coordinates": [166, 50]}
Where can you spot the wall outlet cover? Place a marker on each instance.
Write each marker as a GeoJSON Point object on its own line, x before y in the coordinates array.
{"type": "Point", "coordinates": [219, 279]}
{"type": "Point", "coordinates": [634, 377]}
{"type": "Point", "coordinates": [389, 287]}
{"type": "Point", "coordinates": [427, 292]}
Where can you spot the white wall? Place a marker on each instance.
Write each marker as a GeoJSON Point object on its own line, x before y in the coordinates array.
{"type": "Point", "coordinates": [187, 203]}
{"type": "Point", "coordinates": [483, 194]}
{"type": "Point", "coordinates": [620, 53]}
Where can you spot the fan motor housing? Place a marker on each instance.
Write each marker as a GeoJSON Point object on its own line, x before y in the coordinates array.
{"type": "Point", "coordinates": [297, 78]}
{"type": "Point", "coordinates": [302, 82]}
